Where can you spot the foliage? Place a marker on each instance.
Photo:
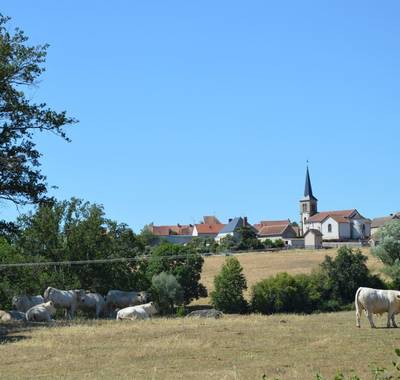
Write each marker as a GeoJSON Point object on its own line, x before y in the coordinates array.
{"type": "Point", "coordinates": [279, 243]}
{"type": "Point", "coordinates": [330, 288]}
{"type": "Point", "coordinates": [181, 261]}
{"type": "Point", "coordinates": [166, 292]}
{"type": "Point", "coordinates": [229, 285]}
{"type": "Point", "coordinates": [70, 231]}
{"type": "Point", "coordinates": [346, 273]}
{"type": "Point", "coordinates": [21, 66]}
{"type": "Point", "coordinates": [227, 243]}
{"type": "Point", "coordinates": [388, 250]}
{"type": "Point", "coordinates": [203, 245]}
{"type": "Point", "coordinates": [248, 239]}
{"type": "Point", "coordinates": [268, 243]}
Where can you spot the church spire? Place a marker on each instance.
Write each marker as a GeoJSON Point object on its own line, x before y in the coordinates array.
{"type": "Point", "coordinates": [307, 187]}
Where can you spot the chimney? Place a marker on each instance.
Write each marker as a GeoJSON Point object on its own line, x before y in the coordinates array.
{"type": "Point", "coordinates": [229, 220]}
{"type": "Point", "coordinates": [244, 221]}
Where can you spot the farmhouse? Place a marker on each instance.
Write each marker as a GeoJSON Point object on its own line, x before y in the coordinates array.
{"type": "Point", "coordinates": [210, 227]}
{"type": "Point", "coordinates": [279, 230]}
{"type": "Point", "coordinates": [339, 225]}
{"type": "Point", "coordinates": [233, 228]}
{"type": "Point", "coordinates": [381, 221]}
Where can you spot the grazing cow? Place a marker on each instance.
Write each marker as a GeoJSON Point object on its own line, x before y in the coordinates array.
{"type": "Point", "coordinates": [24, 303]}
{"type": "Point", "coordinates": [205, 313]}
{"type": "Point", "coordinates": [120, 299]}
{"type": "Point", "coordinates": [64, 299]}
{"type": "Point", "coordinates": [377, 301]}
{"type": "Point", "coordinates": [144, 311]}
{"type": "Point", "coordinates": [41, 313]}
{"type": "Point", "coordinates": [91, 302]}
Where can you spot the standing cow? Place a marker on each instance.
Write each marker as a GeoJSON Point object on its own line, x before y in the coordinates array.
{"type": "Point", "coordinates": [24, 303]}
{"type": "Point", "coordinates": [137, 312]}
{"type": "Point", "coordinates": [41, 313]}
{"type": "Point", "coordinates": [121, 299]}
{"type": "Point", "coordinates": [377, 301]}
{"type": "Point", "coordinates": [93, 302]}
{"type": "Point", "coordinates": [64, 299]}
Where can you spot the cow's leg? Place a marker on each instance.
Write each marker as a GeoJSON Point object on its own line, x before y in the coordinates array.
{"type": "Point", "coordinates": [393, 320]}
{"type": "Point", "coordinates": [390, 314]}
{"type": "Point", "coordinates": [358, 317]}
{"type": "Point", "coordinates": [371, 321]}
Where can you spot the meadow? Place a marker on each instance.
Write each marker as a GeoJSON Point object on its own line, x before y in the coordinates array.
{"type": "Point", "coordinates": [235, 347]}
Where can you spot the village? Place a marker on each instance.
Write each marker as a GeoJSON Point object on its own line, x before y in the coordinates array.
{"type": "Point", "coordinates": [315, 230]}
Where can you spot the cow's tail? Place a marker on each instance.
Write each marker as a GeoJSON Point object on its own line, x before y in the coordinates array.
{"type": "Point", "coordinates": [358, 306]}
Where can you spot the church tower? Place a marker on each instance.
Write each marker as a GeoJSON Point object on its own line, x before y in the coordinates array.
{"type": "Point", "coordinates": [308, 204]}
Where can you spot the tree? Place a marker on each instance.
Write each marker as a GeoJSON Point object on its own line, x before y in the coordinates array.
{"type": "Point", "coordinates": [248, 239]}
{"type": "Point", "coordinates": [166, 292]}
{"type": "Point", "coordinates": [388, 250]}
{"type": "Point", "coordinates": [229, 285]}
{"type": "Point", "coordinates": [181, 261]}
{"type": "Point", "coordinates": [21, 66]}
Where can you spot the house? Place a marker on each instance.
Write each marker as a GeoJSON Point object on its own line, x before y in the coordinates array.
{"type": "Point", "coordinates": [177, 234]}
{"type": "Point", "coordinates": [381, 221]}
{"type": "Point", "coordinates": [210, 227]}
{"type": "Point", "coordinates": [233, 228]}
{"type": "Point", "coordinates": [313, 239]}
{"type": "Point", "coordinates": [279, 230]}
{"type": "Point", "coordinates": [339, 225]}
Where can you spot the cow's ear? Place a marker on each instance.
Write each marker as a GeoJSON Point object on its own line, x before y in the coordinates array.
{"type": "Point", "coordinates": [398, 296]}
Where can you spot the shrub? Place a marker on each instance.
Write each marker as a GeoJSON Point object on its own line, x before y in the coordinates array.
{"type": "Point", "coordinates": [268, 243]}
{"type": "Point", "coordinates": [229, 285]}
{"type": "Point", "coordinates": [279, 243]}
{"type": "Point", "coordinates": [166, 292]}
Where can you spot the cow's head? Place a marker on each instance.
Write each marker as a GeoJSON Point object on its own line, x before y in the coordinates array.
{"type": "Point", "coordinates": [144, 297]}
{"type": "Point", "coordinates": [80, 295]}
{"type": "Point", "coordinates": [50, 307]}
{"type": "Point", "coordinates": [15, 302]}
{"type": "Point", "coordinates": [153, 309]}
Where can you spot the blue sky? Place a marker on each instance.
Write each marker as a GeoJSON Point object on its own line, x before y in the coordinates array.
{"type": "Point", "coordinates": [213, 107]}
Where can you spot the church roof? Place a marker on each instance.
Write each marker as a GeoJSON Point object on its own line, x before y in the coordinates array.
{"type": "Point", "coordinates": [341, 216]}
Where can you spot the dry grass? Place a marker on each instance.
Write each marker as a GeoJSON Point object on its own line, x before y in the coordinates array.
{"type": "Point", "coordinates": [240, 347]}
{"type": "Point", "coordinates": [257, 266]}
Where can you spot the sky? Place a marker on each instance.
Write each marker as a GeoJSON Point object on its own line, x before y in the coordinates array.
{"type": "Point", "coordinates": [201, 108]}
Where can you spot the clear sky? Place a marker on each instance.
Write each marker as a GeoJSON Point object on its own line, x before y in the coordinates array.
{"type": "Point", "coordinates": [213, 107]}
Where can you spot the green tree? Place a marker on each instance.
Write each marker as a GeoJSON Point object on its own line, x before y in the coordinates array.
{"type": "Point", "coordinates": [181, 261]}
{"type": "Point", "coordinates": [229, 285]}
{"type": "Point", "coordinates": [166, 292]}
{"type": "Point", "coordinates": [21, 66]}
{"type": "Point", "coordinates": [388, 250]}
{"type": "Point", "coordinates": [248, 239]}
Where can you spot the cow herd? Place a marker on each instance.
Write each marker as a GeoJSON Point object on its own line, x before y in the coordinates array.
{"type": "Point", "coordinates": [117, 303]}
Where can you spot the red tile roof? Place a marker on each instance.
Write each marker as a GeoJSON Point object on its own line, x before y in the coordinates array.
{"type": "Point", "coordinates": [340, 216]}
{"type": "Point", "coordinates": [270, 223]}
{"type": "Point", "coordinates": [272, 230]}
{"type": "Point", "coordinates": [172, 230]}
{"type": "Point", "coordinates": [211, 220]}
{"type": "Point", "coordinates": [204, 228]}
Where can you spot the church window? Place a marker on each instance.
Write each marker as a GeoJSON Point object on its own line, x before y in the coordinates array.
{"type": "Point", "coordinates": [304, 207]}
{"type": "Point", "coordinates": [329, 227]}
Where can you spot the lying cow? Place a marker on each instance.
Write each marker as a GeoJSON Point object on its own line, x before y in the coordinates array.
{"type": "Point", "coordinates": [137, 312]}
{"type": "Point", "coordinates": [24, 303]}
{"type": "Point", "coordinates": [12, 315]}
{"type": "Point", "coordinates": [121, 299]}
{"type": "Point", "coordinates": [64, 299]}
{"type": "Point", "coordinates": [93, 302]}
{"type": "Point", "coordinates": [377, 301]}
{"type": "Point", "coordinates": [41, 313]}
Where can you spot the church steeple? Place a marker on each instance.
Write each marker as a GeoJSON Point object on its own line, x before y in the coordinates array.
{"type": "Point", "coordinates": [308, 205]}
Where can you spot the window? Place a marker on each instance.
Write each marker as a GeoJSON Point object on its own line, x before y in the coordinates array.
{"type": "Point", "coordinates": [304, 207]}
{"type": "Point", "coordinates": [329, 227]}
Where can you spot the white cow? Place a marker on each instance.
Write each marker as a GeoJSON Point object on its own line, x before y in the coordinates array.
{"type": "Point", "coordinates": [41, 313]}
{"type": "Point", "coordinates": [377, 301]}
{"type": "Point", "coordinates": [144, 311]}
{"type": "Point", "coordinates": [64, 299]}
{"type": "Point", "coordinates": [120, 299]}
{"type": "Point", "coordinates": [24, 303]}
{"type": "Point", "coordinates": [91, 302]}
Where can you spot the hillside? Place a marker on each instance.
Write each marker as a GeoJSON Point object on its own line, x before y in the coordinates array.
{"type": "Point", "coordinates": [260, 265]}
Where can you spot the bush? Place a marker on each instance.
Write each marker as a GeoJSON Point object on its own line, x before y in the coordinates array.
{"type": "Point", "coordinates": [229, 285]}
{"type": "Point", "coordinates": [166, 292]}
{"type": "Point", "coordinates": [268, 243]}
{"type": "Point", "coordinates": [279, 243]}
{"type": "Point", "coordinates": [388, 250]}
{"type": "Point", "coordinates": [284, 293]}
{"type": "Point", "coordinates": [184, 263]}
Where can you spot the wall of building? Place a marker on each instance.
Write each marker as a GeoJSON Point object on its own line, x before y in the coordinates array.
{"type": "Point", "coordinates": [334, 234]}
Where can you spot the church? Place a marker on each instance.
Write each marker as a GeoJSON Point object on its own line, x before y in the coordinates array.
{"type": "Point", "coordinates": [340, 225]}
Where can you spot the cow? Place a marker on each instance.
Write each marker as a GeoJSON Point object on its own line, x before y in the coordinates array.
{"type": "Point", "coordinates": [121, 299]}
{"type": "Point", "coordinates": [206, 313]}
{"type": "Point", "coordinates": [144, 311]}
{"type": "Point", "coordinates": [24, 303]}
{"type": "Point", "coordinates": [64, 299]}
{"type": "Point", "coordinates": [377, 301]}
{"type": "Point", "coordinates": [91, 302]}
{"type": "Point", "coordinates": [41, 313]}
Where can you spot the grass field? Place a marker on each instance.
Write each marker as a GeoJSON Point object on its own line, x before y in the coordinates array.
{"type": "Point", "coordinates": [239, 347]}
{"type": "Point", "coordinates": [257, 266]}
